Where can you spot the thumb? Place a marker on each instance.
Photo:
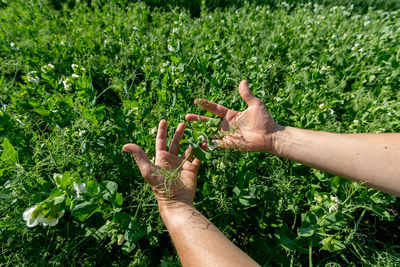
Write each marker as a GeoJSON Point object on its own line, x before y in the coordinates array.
{"type": "Point", "coordinates": [141, 159]}
{"type": "Point", "coordinates": [248, 96]}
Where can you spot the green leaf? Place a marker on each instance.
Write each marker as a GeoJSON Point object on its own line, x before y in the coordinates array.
{"type": "Point", "coordinates": [84, 210]}
{"type": "Point", "coordinates": [305, 231]}
{"type": "Point", "coordinates": [108, 189]}
{"type": "Point", "coordinates": [383, 214]}
{"type": "Point", "coordinates": [118, 199]}
{"type": "Point", "coordinates": [92, 187]}
{"type": "Point", "coordinates": [244, 201]}
{"type": "Point", "coordinates": [9, 155]}
{"type": "Point", "coordinates": [65, 180]}
{"type": "Point", "coordinates": [329, 220]}
{"type": "Point", "coordinates": [200, 154]}
{"type": "Point", "coordinates": [192, 143]}
{"type": "Point", "coordinates": [205, 190]}
{"type": "Point", "coordinates": [236, 190]}
{"type": "Point", "coordinates": [42, 111]}
{"type": "Point", "coordinates": [128, 247]}
{"type": "Point", "coordinates": [332, 244]}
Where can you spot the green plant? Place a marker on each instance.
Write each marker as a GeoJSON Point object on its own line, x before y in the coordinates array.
{"type": "Point", "coordinates": [321, 67]}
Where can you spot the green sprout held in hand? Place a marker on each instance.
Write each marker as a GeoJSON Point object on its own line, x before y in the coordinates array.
{"type": "Point", "coordinates": [172, 177]}
{"type": "Point", "coordinates": [166, 175]}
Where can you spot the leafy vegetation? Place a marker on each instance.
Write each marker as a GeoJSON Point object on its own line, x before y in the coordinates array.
{"type": "Point", "coordinates": [80, 79]}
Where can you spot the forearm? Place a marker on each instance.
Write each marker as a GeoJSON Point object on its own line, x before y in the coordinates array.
{"type": "Point", "coordinates": [197, 241]}
{"type": "Point", "coordinates": [370, 158]}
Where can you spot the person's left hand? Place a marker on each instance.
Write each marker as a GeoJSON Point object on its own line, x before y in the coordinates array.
{"type": "Point", "coordinates": [184, 187]}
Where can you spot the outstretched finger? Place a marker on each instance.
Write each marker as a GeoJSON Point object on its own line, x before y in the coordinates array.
{"type": "Point", "coordinates": [174, 148]}
{"type": "Point", "coordinates": [195, 117]}
{"type": "Point", "coordinates": [217, 109]}
{"type": "Point", "coordinates": [161, 139]}
{"type": "Point", "coordinates": [248, 96]}
{"type": "Point", "coordinates": [141, 159]}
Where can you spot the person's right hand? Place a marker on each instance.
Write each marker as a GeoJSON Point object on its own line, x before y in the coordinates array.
{"type": "Point", "coordinates": [249, 130]}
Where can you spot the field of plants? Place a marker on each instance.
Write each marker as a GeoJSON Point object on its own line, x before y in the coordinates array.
{"type": "Point", "coordinates": [79, 79]}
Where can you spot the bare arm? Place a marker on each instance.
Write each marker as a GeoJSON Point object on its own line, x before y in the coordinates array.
{"type": "Point", "coordinates": [197, 241]}
{"type": "Point", "coordinates": [370, 158]}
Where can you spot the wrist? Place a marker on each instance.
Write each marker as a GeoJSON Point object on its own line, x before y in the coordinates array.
{"type": "Point", "coordinates": [175, 213]}
{"type": "Point", "coordinates": [168, 207]}
{"type": "Point", "coordinates": [278, 140]}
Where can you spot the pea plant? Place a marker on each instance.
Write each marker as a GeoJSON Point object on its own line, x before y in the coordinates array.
{"type": "Point", "coordinates": [78, 80]}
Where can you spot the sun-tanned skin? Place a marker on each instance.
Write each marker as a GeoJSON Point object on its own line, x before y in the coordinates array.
{"type": "Point", "coordinates": [370, 158]}
{"type": "Point", "coordinates": [197, 241]}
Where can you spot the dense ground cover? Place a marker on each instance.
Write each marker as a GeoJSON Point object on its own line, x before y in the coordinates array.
{"type": "Point", "coordinates": [78, 82]}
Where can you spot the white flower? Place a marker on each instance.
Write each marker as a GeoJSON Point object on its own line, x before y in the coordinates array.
{"type": "Point", "coordinates": [12, 44]}
{"type": "Point", "coordinates": [29, 217]}
{"type": "Point", "coordinates": [67, 84]}
{"type": "Point", "coordinates": [80, 189]}
{"type": "Point", "coordinates": [372, 78]}
{"type": "Point", "coordinates": [47, 68]}
{"type": "Point", "coordinates": [81, 132]}
{"type": "Point", "coordinates": [75, 76]}
{"type": "Point", "coordinates": [222, 166]}
{"type": "Point", "coordinates": [318, 198]}
{"type": "Point", "coordinates": [331, 111]}
{"type": "Point", "coordinates": [32, 77]}
{"type": "Point", "coordinates": [49, 221]}
{"type": "Point", "coordinates": [333, 208]}
{"type": "Point", "coordinates": [335, 199]}
{"type": "Point", "coordinates": [355, 46]}
{"type": "Point", "coordinates": [153, 131]}
{"type": "Point", "coordinates": [74, 67]}
{"type": "Point", "coordinates": [322, 105]}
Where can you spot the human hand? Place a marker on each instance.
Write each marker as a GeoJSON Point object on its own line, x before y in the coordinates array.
{"type": "Point", "coordinates": [249, 130]}
{"type": "Point", "coordinates": [172, 178]}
